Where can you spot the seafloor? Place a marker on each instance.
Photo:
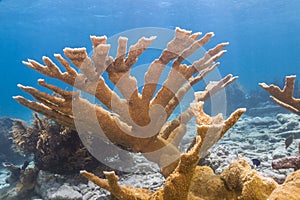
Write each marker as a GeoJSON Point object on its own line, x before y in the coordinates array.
{"type": "Point", "coordinates": [253, 137]}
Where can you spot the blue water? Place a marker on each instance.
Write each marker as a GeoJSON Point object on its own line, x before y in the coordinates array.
{"type": "Point", "coordinates": [263, 34]}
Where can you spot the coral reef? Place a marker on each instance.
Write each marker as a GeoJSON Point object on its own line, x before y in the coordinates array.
{"type": "Point", "coordinates": [246, 182]}
{"type": "Point", "coordinates": [136, 121]}
{"type": "Point", "coordinates": [55, 148]}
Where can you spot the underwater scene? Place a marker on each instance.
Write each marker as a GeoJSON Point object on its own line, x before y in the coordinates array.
{"type": "Point", "coordinates": [150, 100]}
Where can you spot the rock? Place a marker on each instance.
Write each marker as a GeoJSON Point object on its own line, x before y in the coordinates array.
{"type": "Point", "coordinates": [143, 181]}
{"type": "Point", "coordinates": [54, 186]}
{"type": "Point", "coordinates": [279, 152]}
{"type": "Point", "coordinates": [64, 192]}
{"type": "Point", "coordinates": [12, 192]}
{"type": "Point", "coordinates": [68, 187]}
{"type": "Point", "coordinates": [88, 195]}
{"type": "Point", "coordinates": [279, 178]}
{"type": "Point", "coordinates": [3, 176]}
{"type": "Point", "coordinates": [282, 118]}
{"type": "Point", "coordinates": [263, 121]}
{"type": "Point", "coordinates": [257, 137]}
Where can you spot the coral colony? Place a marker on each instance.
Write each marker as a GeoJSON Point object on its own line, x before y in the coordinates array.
{"type": "Point", "coordinates": [125, 118]}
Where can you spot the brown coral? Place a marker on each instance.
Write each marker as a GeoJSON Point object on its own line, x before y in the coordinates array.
{"type": "Point", "coordinates": [55, 148]}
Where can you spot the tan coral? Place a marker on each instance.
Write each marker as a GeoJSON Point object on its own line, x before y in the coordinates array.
{"type": "Point", "coordinates": [284, 97]}
{"type": "Point", "coordinates": [246, 182]}
{"type": "Point", "coordinates": [212, 129]}
{"type": "Point", "coordinates": [137, 120]}
{"type": "Point", "coordinates": [206, 185]}
{"type": "Point", "coordinates": [290, 189]}
{"type": "Point", "coordinates": [238, 181]}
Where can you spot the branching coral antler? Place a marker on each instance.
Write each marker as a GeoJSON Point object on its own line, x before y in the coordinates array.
{"type": "Point", "coordinates": [284, 97]}
{"type": "Point", "coordinates": [134, 120]}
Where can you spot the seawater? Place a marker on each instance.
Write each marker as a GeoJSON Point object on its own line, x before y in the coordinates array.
{"type": "Point", "coordinates": [263, 34]}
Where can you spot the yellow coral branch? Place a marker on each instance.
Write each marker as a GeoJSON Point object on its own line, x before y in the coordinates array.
{"type": "Point", "coordinates": [182, 40]}
{"type": "Point", "coordinates": [180, 74]}
{"type": "Point", "coordinates": [212, 129]}
{"type": "Point", "coordinates": [120, 192]}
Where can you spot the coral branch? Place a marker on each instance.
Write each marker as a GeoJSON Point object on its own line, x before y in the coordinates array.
{"type": "Point", "coordinates": [182, 40]}
{"type": "Point", "coordinates": [111, 184]}
{"type": "Point", "coordinates": [214, 86]}
{"type": "Point", "coordinates": [180, 74]}
{"type": "Point", "coordinates": [212, 129]}
{"type": "Point", "coordinates": [178, 183]}
{"type": "Point", "coordinates": [284, 97]}
{"type": "Point", "coordinates": [43, 109]}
